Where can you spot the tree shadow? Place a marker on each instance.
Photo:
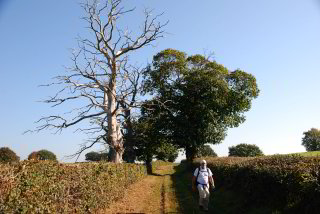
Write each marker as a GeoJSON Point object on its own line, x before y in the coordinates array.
{"type": "Point", "coordinates": [182, 182]}
{"type": "Point", "coordinates": [157, 174]}
{"type": "Point", "coordinates": [221, 201]}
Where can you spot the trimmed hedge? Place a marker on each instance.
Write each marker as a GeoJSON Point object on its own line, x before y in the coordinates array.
{"type": "Point", "coordinates": [290, 184]}
{"type": "Point", "coordinates": [50, 187]}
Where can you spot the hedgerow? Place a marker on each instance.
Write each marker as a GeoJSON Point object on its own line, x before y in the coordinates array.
{"type": "Point", "coordinates": [290, 184]}
{"type": "Point", "coordinates": [157, 164]}
{"type": "Point", "coordinates": [50, 187]}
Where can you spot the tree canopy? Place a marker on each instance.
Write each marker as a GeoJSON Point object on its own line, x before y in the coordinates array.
{"type": "Point", "coordinates": [206, 151]}
{"type": "Point", "coordinates": [8, 156]}
{"type": "Point", "coordinates": [199, 98]}
{"type": "Point", "coordinates": [311, 140]}
{"type": "Point", "coordinates": [245, 150]}
{"type": "Point", "coordinates": [42, 155]}
{"type": "Point", "coordinates": [46, 155]}
{"type": "Point", "coordinates": [95, 156]}
{"type": "Point", "coordinates": [102, 81]}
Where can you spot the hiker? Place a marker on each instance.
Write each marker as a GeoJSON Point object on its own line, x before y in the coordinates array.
{"type": "Point", "coordinates": [201, 179]}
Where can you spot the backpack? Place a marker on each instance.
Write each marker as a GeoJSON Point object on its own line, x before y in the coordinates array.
{"type": "Point", "coordinates": [198, 176]}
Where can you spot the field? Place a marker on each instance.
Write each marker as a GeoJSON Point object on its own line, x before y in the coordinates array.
{"type": "Point", "coordinates": [307, 154]}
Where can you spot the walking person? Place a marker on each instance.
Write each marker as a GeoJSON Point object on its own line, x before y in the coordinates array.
{"type": "Point", "coordinates": [201, 180]}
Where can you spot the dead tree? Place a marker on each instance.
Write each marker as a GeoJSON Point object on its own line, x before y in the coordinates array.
{"type": "Point", "coordinates": [101, 77]}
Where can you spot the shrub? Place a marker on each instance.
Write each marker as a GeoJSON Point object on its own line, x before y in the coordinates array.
{"type": "Point", "coordinates": [104, 156]}
{"type": "Point", "coordinates": [245, 150]}
{"type": "Point", "coordinates": [33, 156]}
{"type": "Point", "coordinates": [46, 155]}
{"type": "Point", "coordinates": [92, 156]}
{"type": "Point", "coordinates": [8, 156]}
{"type": "Point", "coordinates": [95, 156]}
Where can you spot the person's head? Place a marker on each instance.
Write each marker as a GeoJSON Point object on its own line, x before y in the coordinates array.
{"type": "Point", "coordinates": [203, 164]}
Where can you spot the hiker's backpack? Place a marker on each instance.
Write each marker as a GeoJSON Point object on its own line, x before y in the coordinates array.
{"type": "Point", "coordinates": [198, 175]}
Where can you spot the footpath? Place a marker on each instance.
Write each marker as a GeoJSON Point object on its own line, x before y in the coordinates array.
{"type": "Point", "coordinates": [169, 191]}
{"type": "Point", "coordinates": [153, 194]}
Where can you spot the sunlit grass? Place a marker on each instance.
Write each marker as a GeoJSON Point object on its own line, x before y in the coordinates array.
{"type": "Point", "coordinates": [308, 154]}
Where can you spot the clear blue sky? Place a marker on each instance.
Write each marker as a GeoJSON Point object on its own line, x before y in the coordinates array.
{"type": "Point", "coordinates": [278, 41]}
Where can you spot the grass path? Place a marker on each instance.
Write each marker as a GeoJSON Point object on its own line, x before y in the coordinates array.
{"type": "Point", "coordinates": [153, 194]}
{"type": "Point", "coordinates": [168, 191]}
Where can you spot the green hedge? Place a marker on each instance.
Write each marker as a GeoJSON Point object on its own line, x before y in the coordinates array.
{"type": "Point", "coordinates": [50, 187]}
{"type": "Point", "coordinates": [290, 184]}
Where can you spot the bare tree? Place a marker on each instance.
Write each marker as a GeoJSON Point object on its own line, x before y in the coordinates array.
{"type": "Point", "coordinates": [101, 77]}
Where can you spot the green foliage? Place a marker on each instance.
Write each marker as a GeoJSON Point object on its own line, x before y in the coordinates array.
{"type": "Point", "coordinates": [199, 98]}
{"type": "Point", "coordinates": [8, 156]}
{"type": "Point", "coordinates": [50, 187]}
{"type": "Point", "coordinates": [95, 156]}
{"type": "Point", "coordinates": [105, 156]}
{"type": "Point", "coordinates": [46, 155]}
{"type": "Point", "coordinates": [206, 151]}
{"type": "Point", "coordinates": [167, 152]}
{"type": "Point", "coordinates": [245, 150]}
{"type": "Point", "coordinates": [311, 140]}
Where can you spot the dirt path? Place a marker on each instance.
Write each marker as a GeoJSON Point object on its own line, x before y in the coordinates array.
{"type": "Point", "coordinates": [153, 194]}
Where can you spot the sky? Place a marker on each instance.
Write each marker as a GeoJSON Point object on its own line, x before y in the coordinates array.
{"type": "Point", "coordinates": [275, 40]}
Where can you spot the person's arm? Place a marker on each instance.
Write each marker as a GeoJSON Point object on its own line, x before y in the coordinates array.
{"type": "Point", "coordinates": [211, 181]}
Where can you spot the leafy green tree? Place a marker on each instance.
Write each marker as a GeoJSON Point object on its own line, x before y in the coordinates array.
{"type": "Point", "coordinates": [105, 156]}
{"type": "Point", "coordinates": [8, 156]}
{"type": "Point", "coordinates": [167, 152]}
{"type": "Point", "coordinates": [145, 140]}
{"type": "Point", "coordinates": [206, 151]}
{"type": "Point", "coordinates": [311, 140]}
{"type": "Point", "coordinates": [148, 140]}
{"type": "Point", "coordinates": [92, 156]}
{"type": "Point", "coordinates": [95, 156]}
{"type": "Point", "coordinates": [245, 150]}
{"type": "Point", "coordinates": [199, 98]}
{"type": "Point", "coordinates": [46, 155]}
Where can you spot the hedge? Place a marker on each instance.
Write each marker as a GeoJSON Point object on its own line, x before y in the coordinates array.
{"type": "Point", "coordinates": [290, 184]}
{"type": "Point", "coordinates": [50, 187]}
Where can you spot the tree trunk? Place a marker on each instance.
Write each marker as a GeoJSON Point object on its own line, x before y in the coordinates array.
{"type": "Point", "coordinates": [149, 164]}
{"type": "Point", "coordinates": [190, 153]}
{"type": "Point", "coordinates": [115, 156]}
{"type": "Point", "coordinates": [115, 137]}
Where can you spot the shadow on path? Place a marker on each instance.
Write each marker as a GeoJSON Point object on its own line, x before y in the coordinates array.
{"type": "Point", "coordinates": [188, 200]}
{"type": "Point", "coordinates": [221, 201]}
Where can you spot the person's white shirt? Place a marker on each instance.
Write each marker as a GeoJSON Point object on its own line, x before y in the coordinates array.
{"type": "Point", "coordinates": [204, 174]}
